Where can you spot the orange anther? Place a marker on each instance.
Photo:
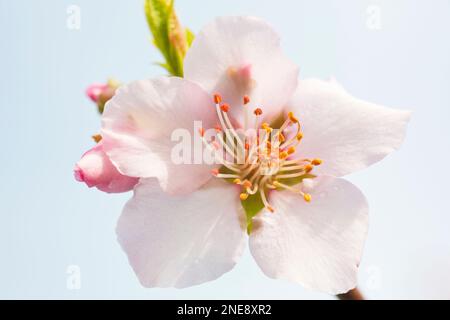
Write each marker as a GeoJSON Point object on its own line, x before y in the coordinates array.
{"type": "Point", "coordinates": [217, 98]}
{"type": "Point", "coordinates": [283, 155]}
{"type": "Point", "coordinates": [243, 196]}
{"type": "Point", "coordinates": [307, 197]}
{"type": "Point", "coordinates": [202, 132]}
{"type": "Point", "coordinates": [225, 107]}
{"type": "Point", "coordinates": [97, 137]}
{"type": "Point", "coordinates": [246, 99]}
{"type": "Point", "coordinates": [246, 184]}
{"type": "Point", "coordinates": [218, 128]}
{"type": "Point", "coordinates": [292, 117]}
{"type": "Point", "coordinates": [258, 112]}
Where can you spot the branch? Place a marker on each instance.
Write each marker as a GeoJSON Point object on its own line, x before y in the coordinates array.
{"type": "Point", "coordinates": [353, 294]}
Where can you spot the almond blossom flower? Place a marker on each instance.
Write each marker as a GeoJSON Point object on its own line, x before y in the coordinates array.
{"type": "Point", "coordinates": [185, 226]}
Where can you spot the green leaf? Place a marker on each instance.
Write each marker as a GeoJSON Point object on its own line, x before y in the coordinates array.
{"type": "Point", "coordinates": [169, 36]}
{"type": "Point", "coordinates": [156, 12]}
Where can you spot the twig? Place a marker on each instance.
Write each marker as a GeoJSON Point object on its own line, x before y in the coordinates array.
{"type": "Point", "coordinates": [353, 294]}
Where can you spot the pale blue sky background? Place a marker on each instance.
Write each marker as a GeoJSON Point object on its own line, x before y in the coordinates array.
{"type": "Point", "coordinates": [48, 221]}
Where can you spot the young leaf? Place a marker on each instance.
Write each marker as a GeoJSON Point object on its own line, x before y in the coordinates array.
{"type": "Point", "coordinates": [169, 36]}
{"type": "Point", "coordinates": [189, 37]}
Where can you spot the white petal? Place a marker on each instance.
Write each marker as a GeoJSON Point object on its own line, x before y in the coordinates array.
{"type": "Point", "coordinates": [181, 241]}
{"type": "Point", "coordinates": [248, 44]}
{"type": "Point", "coordinates": [317, 244]}
{"type": "Point", "coordinates": [347, 133]}
{"type": "Point", "coordinates": [139, 121]}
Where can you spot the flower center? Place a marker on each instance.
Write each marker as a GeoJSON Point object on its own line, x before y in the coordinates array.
{"type": "Point", "coordinates": [259, 158]}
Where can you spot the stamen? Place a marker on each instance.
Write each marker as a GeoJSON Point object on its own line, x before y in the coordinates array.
{"type": "Point", "coordinates": [225, 107]}
{"type": "Point", "coordinates": [226, 176]}
{"type": "Point", "coordinates": [246, 100]}
{"type": "Point", "coordinates": [97, 138]}
{"type": "Point", "coordinates": [265, 202]}
{"type": "Point", "coordinates": [230, 133]}
{"type": "Point", "coordinates": [291, 175]}
{"type": "Point", "coordinates": [266, 127]}
{"type": "Point", "coordinates": [246, 184]}
{"type": "Point", "coordinates": [243, 196]}
{"type": "Point", "coordinates": [295, 140]}
{"type": "Point", "coordinates": [284, 155]}
{"type": "Point", "coordinates": [307, 197]}
{"type": "Point", "coordinates": [226, 146]}
{"type": "Point", "coordinates": [285, 124]}
{"type": "Point", "coordinates": [217, 98]}
{"type": "Point", "coordinates": [252, 191]}
{"type": "Point", "coordinates": [201, 131]}
{"type": "Point", "coordinates": [257, 112]}
{"type": "Point", "coordinates": [292, 168]}
{"type": "Point", "coordinates": [292, 117]}
{"type": "Point", "coordinates": [261, 168]}
{"type": "Point", "coordinates": [218, 158]}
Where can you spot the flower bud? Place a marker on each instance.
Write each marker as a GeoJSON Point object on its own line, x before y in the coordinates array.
{"type": "Point", "coordinates": [96, 170]}
{"type": "Point", "coordinates": [100, 93]}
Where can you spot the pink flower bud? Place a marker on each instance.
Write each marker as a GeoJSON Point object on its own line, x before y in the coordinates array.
{"type": "Point", "coordinates": [95, 90]}
{"type": "Point", "coordinates": [96, 170]}
{"type": "Point", "coordinates": [100, 93]}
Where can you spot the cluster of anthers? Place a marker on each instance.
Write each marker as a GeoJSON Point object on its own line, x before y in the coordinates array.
{"type": "Point", "coordinates": [258, 158]}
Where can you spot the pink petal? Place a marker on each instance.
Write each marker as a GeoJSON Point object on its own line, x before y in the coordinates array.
{"type": "Point", "coordinates": [96, 170]}
{"type": "Point", "coordinates": [94, 91]}
{"type": "Point", "coordinates": [138, 124]}
{"type": "Point", "coordinates": [347, 133]}
{"type": "Point", "coordinates": [237, 56]}
{"type": "Point", "coordinates": [317, 244]}
{"type": "Point", "coordinates": [181, 241]}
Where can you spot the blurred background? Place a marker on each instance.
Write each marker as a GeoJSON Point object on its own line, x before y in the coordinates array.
{"type": "Point", "coordinates": [394, 53]}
